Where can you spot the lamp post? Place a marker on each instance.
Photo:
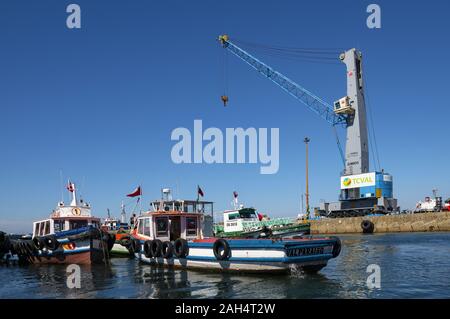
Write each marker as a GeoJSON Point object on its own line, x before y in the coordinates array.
{"type": "Point", "coordinates": [307, 140]}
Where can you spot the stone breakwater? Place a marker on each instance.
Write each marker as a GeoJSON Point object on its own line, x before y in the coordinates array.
{"type": "Point", "coordinates": [425, 222]}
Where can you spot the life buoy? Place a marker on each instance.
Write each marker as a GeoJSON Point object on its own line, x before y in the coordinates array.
{"type": "Point", "coordinates": [367, 226]}
{"type": "Point", "coordinates": [148, 248]}
{"type": "Point", "coordinates": [51, 242]}
{"type": "Point", "coordinates": [76, 211]}
{"type": "Point", "coordinates": [222, 249]}
{"type": "Point", "coordinates": [181, 248]}
{"type": "Point", "coordinates": [167, 249]}
{"type": "Point", "coordinates": [336, 247]}
{"type": "Point", "coordinates": [155, 248]}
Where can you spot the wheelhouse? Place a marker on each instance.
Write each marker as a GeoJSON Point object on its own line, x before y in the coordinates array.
{"type": "Point", "coordinates": [175, 219]}
{"type": "Point", "coordinates": [52, 226]}
{"type": "Point", "coordinates": [63, 218]}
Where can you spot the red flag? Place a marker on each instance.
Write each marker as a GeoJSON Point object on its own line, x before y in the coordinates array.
{"type": "Point", "coordinates": [70, 186]}
{"type": "Point", "coordinates": [260, 216]}
{"type": "Point", "coordinates": [199, 191]}
{"type": "Point", "coordinates": [136, 192]}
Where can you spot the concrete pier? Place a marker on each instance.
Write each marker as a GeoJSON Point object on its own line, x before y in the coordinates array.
{"type": "Point", "coordinates": [424, 222]}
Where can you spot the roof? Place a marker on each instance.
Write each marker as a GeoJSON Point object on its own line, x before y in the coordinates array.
{"type": "Point", "coordinates": [170, 213]}
{"type": "Point", "coordinates": [186, 201]}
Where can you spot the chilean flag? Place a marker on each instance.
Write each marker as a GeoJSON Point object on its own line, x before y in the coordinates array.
{"type": "Point", "coordinates": [70, 186]}
{"type": "Point", "coordinates": [136, 192]}
{"type": "Point", "coordinates": [199, 191]}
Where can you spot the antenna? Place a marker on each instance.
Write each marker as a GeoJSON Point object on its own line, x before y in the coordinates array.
{"type": "Point", "coordinates": [61, 185]}
{"type": "Point", "coordinates": [435, 192]}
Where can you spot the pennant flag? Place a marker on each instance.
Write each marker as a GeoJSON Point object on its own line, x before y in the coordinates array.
{"type": "Point", "coordinates": [199, 191]}
{"type": "Point", "coordinates": [136, 192]}
{"type": "Point", "coordinates": [235, 194]}
{"type": "Point", "coordinates": [70, 186]}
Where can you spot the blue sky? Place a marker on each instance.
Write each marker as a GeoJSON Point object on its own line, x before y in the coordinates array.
{"type": "Point", "coordinates": [100, 103]}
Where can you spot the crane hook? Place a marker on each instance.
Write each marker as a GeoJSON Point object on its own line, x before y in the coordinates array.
{"type": "Point", "coordinates": [224, 99]}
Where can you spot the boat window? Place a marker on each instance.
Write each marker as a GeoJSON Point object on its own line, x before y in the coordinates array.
{"type": "Point", "coordinates": [141, 226]}
{"type": "Point", "coordinates": [95, 224]}
{"type": "Point", "coordinates": [47, 227]}
{"type": "Point", "coordinates": [58, 225]}
{"type": "Point", "coordinates": [36, 229]}
{"type": "Point", "coordinates": [233, 216]}
{"type": "Point", "coordinates": [147, 227]}
{"type": "Point", "coordinates": [75, 224]}
{"type": "Point", "coordinates": [247, 213]}
{"type": "Point", "coordinates": [162, 226]}
{"type": "Point", "coordinates": [191, 226]}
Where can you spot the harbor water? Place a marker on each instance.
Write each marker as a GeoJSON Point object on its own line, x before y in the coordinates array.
{"type": "Point", "coordinates": [412, 265]}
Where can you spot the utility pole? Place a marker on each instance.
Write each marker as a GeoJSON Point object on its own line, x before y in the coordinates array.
{"type": "Point", "coordinates": [307, 140]}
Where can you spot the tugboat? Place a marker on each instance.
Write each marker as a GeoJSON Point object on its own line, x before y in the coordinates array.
{"type": "Point", "coordinates": [71, 235]}
{"type": "Point", "coordinates": [178, 233]}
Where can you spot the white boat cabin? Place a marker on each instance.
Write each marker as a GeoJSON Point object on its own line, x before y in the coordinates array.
{"type": "Point", "coordinates": [76, 215]}
{"type": "Point", "coordinates": [173, 219]}
{"type": "Point", "coordinates": [233, 220]}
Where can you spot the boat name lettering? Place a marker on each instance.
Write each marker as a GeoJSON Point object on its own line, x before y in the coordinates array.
{"type": "Point", "coordinates": [294, 252]}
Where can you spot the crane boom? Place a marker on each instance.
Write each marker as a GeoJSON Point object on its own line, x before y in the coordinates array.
{"type": "Point", "coordinates": [314, 103]}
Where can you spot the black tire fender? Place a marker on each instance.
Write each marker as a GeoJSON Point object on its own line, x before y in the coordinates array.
{"type": "Point", "coordinates": [51, 242]}
{"type": "Point", "coordinates": [167, 249]}
{"type": "Point", "coordinates": [181, 248]}
{"type": "Point", "coordinates": [156, 248]}
{"type": "Point", "coordinates": [221, 249]}
{"type": "Point", "coordinates": [367, 226]}
{"type": "Point", "coordinates": [337, 247]}
{"type": "Point", "coordinates": [39, 243]}
{"type": "Point", "coordinates": [148, 248]}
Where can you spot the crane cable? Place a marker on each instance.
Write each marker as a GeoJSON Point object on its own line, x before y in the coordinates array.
{"type": "Point", "coordinates": [224, 97]}
{"type": "Point", "coordinates": [314, 55]}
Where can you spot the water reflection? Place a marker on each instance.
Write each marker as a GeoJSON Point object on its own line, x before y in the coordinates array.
{"type": "Point", "coordinates": [412, 265]}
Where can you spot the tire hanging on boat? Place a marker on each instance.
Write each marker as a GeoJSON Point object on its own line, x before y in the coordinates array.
{"type": "Point", "coordinates": [222, 249]}
{"type": "Point", "coordinates": [336, 247]}
{"type": "Point", "coordinates": [147, 248]}
{"type": "Point", "coordinates": [39, 243]}
{"type": "Point", "coordinates": [167, 249]}
{"type": "Point", "coordinates": [51, 242]}
{"type": "Point", "coordinates": [181, 248]}
{"type": "Point", "coordinates": [156, 248]}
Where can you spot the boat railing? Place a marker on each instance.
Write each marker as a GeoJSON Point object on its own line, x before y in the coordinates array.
{"type": "Point", "coordinates": [276, 222]}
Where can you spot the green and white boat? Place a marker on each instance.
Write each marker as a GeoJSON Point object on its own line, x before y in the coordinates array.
{"type": "Point", "coordinates": [247, 223]}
